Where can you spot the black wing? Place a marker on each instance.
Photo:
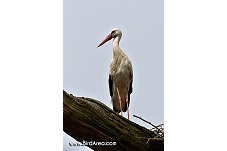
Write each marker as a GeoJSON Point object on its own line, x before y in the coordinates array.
{"type": "Point", "coordinates": [129, 92]}
{"type": "Point", "coordinates": [130, 88]}
{"type": "Point", "coordinates": [110, 86]}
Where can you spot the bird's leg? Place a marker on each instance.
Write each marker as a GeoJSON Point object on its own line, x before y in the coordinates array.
{"type": "Point", "coordinates": [119, 98]}
{"type": "Point", "coordinates": [127, 104]}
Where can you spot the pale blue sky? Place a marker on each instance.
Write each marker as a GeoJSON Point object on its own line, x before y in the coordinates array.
{"type": "Point", "coordinates": [87, 23]}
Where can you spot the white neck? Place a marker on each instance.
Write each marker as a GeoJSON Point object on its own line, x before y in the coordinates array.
{"type": "Point", "coordinates": [116, 48]}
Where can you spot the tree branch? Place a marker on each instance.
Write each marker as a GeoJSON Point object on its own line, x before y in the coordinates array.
{"type": "Point", "coordinates": [87, 119]}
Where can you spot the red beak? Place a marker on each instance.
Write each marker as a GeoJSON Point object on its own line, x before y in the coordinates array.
{"type": "Point", "coordinates": [105, 40]}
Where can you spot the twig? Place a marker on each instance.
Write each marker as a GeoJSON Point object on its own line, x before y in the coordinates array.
{"type": "Point", "coordinates": [146, 121]}
{"type": "Point", "coordinates": [157, 127]}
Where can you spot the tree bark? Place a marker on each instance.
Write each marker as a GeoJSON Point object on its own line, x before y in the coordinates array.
{"type": "Point", "coordinates": [87, 119]}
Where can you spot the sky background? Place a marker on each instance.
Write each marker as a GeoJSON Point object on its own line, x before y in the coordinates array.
{"type": "Point", "coordinates": [86, 67]}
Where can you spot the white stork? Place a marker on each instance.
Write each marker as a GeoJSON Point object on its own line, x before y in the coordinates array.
{"type": "Point", "coordinates": [120, 74]}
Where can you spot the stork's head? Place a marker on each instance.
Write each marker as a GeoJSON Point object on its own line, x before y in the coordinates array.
{"type": "Point", "coordinates": [114, 33]}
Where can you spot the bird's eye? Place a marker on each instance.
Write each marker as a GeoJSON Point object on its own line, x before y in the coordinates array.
{"type": "Point", "coordinates": [113, 32]}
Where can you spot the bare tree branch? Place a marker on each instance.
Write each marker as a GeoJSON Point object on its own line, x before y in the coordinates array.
{"type": "Point", "coordinates": [87, 119]}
